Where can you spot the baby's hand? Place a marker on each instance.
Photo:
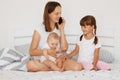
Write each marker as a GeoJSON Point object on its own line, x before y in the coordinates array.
{"type": "Point", "coordinates": [52, 53]}
{"type": "Point", "coordinates": [45, 54]}
{"type": "Point", "coordinates": [66, 57]}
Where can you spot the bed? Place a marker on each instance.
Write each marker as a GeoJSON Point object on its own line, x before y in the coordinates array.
{"type": "Point", "coordinates": [66, 75]}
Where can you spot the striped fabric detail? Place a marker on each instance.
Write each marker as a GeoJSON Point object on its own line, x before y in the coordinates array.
{"type": "Point", "coordinates": [11, 59]}
{"type": "Point", "coordinates": [1, 51]}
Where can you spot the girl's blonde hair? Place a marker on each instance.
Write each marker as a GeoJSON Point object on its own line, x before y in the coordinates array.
{"type": "Point", "coordinates": [53, 35]}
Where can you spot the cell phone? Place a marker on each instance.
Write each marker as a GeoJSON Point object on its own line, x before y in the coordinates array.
{"type": "Point", "coordinates": [60, 20]}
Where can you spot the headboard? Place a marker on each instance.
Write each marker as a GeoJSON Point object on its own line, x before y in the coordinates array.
{"type": "Point", "coordinates": [23, 35]}
{"type": "Point", "coordinates": [22, 40]}
{"type": "Point", "coordinates": [106, 41]}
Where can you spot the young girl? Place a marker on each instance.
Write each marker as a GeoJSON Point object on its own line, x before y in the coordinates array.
{"type": "Point", "coordinates": [89, 46]}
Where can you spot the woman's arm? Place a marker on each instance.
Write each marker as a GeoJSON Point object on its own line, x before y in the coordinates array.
{"type": "Point", "coordinates": [73, 53]}
{"type": "Point", "coordinates": [34, 45]}
{"type": "Point", "coordinates": [63, 41]}
{"type": "Point", "coordinates": [96, 57]}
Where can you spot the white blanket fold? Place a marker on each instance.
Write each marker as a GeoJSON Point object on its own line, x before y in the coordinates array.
{"type": "Point", "coordinates": [11, 59]}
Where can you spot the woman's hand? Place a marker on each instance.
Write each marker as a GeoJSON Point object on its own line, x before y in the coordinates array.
{"type": "Point", "coordinates": [61, 26]}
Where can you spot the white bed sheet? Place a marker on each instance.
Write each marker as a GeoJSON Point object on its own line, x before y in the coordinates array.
{"type": "Point", "coordinates": [67, 75]}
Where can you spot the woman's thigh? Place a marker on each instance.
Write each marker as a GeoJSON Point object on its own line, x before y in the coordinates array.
{"type": "Point", "coordinates": [72, 65]}
{"type": "Point", "coordinates": [35, 65]}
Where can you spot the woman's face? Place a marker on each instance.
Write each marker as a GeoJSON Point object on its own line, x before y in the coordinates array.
{"type": "Point", "coordinates": [55, 15]}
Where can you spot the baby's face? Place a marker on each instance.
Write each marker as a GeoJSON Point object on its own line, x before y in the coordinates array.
{"type": "Point", "coordinates": [53, 43]}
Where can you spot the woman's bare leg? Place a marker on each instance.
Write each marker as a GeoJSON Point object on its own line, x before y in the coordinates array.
{"type": "Point", "coordinates": [52, 65]}
{"type": "Point", "coordinates": [35, 65]}
{"type": "Point", "coordinates": [72, 65]}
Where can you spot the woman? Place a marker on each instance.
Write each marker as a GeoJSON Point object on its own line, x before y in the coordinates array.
{"type": "Point", "coordinates": [52, 13]}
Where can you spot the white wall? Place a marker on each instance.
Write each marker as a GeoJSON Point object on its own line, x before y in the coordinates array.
{"type": "Point", "coordinates": [26, 14]}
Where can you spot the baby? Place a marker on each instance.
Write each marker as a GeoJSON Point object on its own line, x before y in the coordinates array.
{"type": "Point", "coordinates": [49, 52]}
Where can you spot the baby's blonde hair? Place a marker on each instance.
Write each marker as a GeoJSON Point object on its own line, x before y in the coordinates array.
{"type": "Point", "coordinates": [53, 35]}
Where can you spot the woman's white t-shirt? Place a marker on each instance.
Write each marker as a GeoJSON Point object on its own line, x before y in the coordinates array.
{"type": "Point", "coordinates": [44, 34]}
{"type": "Point", "coordinates": [86, 49]}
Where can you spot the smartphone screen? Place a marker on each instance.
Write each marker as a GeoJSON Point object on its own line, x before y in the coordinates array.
{"type": "Point", "coordinates": [60, 20]}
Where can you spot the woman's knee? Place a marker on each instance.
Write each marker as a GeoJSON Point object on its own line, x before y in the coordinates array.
{"type": "Point", "coordinates": [32, 67]}
{"type": "Point", "coordinates": [68, 64]}
{"type": "Point", "coordinates": [78, 67]}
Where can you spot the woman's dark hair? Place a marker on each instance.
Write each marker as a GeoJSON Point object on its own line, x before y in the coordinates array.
{"type": "Point", "coordinates": [89, 20]}
{"type": "Point", "coordinates": [49, 8]}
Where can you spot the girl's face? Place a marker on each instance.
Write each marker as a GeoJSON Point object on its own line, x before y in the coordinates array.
{"type": "Point", "coordinates": [55, 15]}
{"type": "Point", "coordinates": [87, 29]}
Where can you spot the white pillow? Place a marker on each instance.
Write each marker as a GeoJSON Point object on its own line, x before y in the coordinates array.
{"type": "Point", "coordinates": [106, 56]}
{"type": "Point", "coordinates": [23, 49]}
{"type": "Point", "coordinates": [9, 56]}
{"type": "Point", "coordinates": [1, 51]}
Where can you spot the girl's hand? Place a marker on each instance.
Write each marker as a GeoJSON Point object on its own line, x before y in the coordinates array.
{"type": "Point", "coordinates": [63, 58]}
{"type": "Point", "coordinates": [94, 68]}
{"type": "Point", "coordinates": [61, 26]}
{"type": "Point", "coordinates": [66, 57]}
{"type": "Point", "coordinates": [59, 50]}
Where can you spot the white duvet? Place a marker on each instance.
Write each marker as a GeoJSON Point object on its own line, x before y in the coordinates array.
{"type": "Point", "coordinates": [67, 75]}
